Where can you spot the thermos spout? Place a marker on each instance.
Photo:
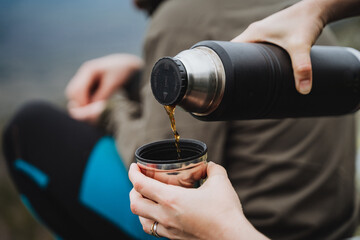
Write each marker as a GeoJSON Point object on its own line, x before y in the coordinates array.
{"type": "Point", "coordinates": [194, 79]}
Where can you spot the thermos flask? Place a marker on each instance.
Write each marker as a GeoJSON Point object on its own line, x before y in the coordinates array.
{"type": "Point", "coordinates": [217, 80]}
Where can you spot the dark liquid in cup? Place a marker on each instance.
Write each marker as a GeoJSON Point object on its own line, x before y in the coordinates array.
{"type": "Point", "coordinates": [170, 110]}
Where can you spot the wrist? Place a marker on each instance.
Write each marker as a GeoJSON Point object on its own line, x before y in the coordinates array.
{"type": "Point", "coordinates": [326, 10]}
{"type": "Point", "coordinates": [333, 10]}
{"type": "Point", "coordinates": [248, 231]}
{"type": "Point", "coordinates": [318, 11]}
{"type": "Point", "coordinates": [241, 228]}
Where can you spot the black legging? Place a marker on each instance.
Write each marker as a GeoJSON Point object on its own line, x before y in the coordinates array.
{"type": "Point", "coordinates": [64, 176]}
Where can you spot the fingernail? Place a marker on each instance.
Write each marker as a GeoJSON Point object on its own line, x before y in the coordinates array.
{"type": "Point", "coordinates": [304, 86]}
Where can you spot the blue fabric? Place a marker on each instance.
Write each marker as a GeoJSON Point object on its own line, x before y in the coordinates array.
{"type": "Point", "coordinates": [38, 176]}
{"type": "Point", "coordinates": [105, 188]}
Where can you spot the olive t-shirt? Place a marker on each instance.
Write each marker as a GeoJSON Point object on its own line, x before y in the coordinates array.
{"type": "Point", "coordinates": [295, 177]}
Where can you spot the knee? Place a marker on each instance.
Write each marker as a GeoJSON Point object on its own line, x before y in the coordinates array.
{"type": "Point", "coordinates": [23, 123]}
{"type": "Point", "coordinates": [31, 113]}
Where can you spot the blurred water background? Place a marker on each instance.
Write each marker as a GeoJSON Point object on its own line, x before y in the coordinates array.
{"type": "Point", "coordinates": [42, 43]}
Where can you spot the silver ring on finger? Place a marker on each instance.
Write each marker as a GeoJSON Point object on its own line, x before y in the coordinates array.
{"type": "Point", "coordinates": [153, 229]}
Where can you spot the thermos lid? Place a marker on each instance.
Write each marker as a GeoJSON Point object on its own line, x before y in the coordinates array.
{"type": "Point", "coordinates": [168, 81]}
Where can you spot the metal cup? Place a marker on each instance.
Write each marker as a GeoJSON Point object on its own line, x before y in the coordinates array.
{"type": "Point", "coordinates": [159, 160]}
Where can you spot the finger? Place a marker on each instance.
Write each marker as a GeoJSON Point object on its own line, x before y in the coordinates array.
{"type": "Point", "coordinates": [80, 86]}
{"type": "Point", "coordinates": [253, 33]}
{"type": "Point", "coordinates": [79, 113]}
{"type": "Point", "coordinates": [106, 87]}
{"type": "Point", "coordinates": [160, 229]}
{"type": "Point", "coordinates": [144, 207]}
{"type": "Point", "coordinates": [148, 187]}
{"type": "Point", "coordinates": [243, 37]}
{"type": "Point", "coordinates": [72, 104]}
{"type": "Point", "coordinates": [301, 63]}
{"type": "Point", "coordinates": [146, 224]}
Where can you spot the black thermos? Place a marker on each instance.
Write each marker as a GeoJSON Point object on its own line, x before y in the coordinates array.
{"type": "Point", "coordinates": [217, 80]}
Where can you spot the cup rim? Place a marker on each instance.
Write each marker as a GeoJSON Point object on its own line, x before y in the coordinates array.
{"type": "Point", "coordinates": [164, 142]}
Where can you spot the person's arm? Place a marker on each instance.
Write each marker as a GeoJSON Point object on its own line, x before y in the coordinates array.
{"type": "Point", "coordinates": [334, 10]}
{"type": "Point", "coordinates": [212, 211]}
{"type": "Point", "coordinates": [296, 29]}
{"type": "Point", "coordinates": [95, 81]}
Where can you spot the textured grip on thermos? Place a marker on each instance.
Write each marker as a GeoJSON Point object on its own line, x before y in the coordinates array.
{"type": "Point", "coordinates": [232, 81]}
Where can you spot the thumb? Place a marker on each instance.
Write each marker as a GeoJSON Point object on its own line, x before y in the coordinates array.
{"type": "Point", "coordinates": [89, 112]}
{"type": "Point", "coordinates": [214, 169]}
{"type": "Point", "coordinates": [301, 64]}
